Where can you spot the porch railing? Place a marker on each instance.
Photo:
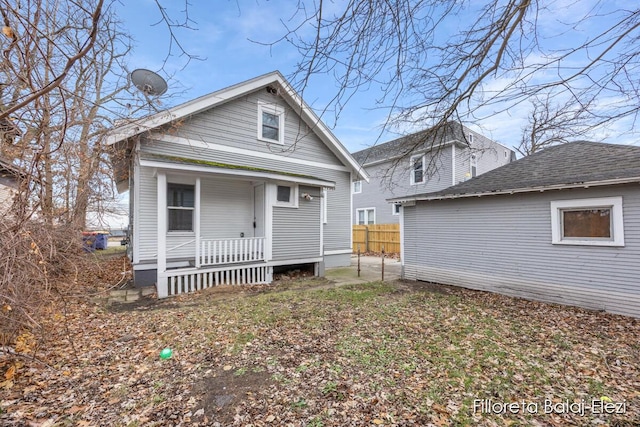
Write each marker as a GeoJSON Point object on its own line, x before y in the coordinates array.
{"type": "Point", "coordinates": [229, 251]}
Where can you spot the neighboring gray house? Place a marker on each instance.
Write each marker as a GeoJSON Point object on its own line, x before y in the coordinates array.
{"type": "Point", "coordinates": [421, 162]}
{"type": "Point", "coordinates": [561, 226]}
{"type": "Point", "coordinates": [228, 186]}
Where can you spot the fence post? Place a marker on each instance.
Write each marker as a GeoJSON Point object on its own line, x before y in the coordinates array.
{"type": "Point", "coordinates": [382, 263]}
{"type": "Point", "coordinates": [358, 260]}
{"type": "Point", "coordinates": [366, 238]}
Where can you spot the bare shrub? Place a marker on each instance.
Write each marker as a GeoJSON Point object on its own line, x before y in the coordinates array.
{"type": "Point", "coordinates": [36, 265]}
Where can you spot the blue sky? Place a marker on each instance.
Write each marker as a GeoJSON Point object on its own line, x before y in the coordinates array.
{"type": "Point", "coordinates": [222, 38]}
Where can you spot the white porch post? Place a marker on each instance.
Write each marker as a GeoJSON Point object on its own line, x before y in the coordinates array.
{"type": "Point", "coordinates": [196, 220]}
{"type": "Point", "coordinates": [269, 197]}
{"type": "Point", "coordinates": [161, 285]}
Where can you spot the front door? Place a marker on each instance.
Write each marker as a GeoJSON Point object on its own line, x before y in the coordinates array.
{"type": "Point", "coordinates": [258, 211]}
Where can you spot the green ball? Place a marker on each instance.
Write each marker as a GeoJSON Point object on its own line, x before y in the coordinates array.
{"type": "Point", "coordinates": [166, 353]}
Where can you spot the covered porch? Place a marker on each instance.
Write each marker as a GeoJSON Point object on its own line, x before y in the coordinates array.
{"type": "Point", "coordinates": [215, 226]}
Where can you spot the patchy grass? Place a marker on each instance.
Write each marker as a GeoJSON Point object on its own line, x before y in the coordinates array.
{"type": "Point", "coordinates": [309, 354]}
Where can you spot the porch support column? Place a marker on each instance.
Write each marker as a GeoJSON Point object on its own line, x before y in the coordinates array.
{"type": "Point", "coordinates": [196, 221]}
{"type": "Point", "coordinates": [161, 285]}
{"type": "Point", "coordinates": [269, 197]}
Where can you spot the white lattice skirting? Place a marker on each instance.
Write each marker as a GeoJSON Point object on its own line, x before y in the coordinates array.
{"type": "Point", "coordinates": [182, 281]}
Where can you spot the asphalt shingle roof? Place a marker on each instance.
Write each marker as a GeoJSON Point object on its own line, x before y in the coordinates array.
{"type": "Point", "coordinates": [567, 164]}
{"type": "Point", "coordinates": [400, 147]}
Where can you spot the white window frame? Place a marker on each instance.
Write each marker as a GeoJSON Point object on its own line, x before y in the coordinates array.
{"type": "Point", "coordinates": [276, 110]}
{"type": "Point", "coordinates": [365, 210]}
{"type": "Point", "coordinates": [617, 221]}
{"type": "Point", "coordinates": [473, 163]}
{"type": "Point", "coordinates": [293, 196]}
{"type": "Point", "coordinates": [357, 184]}
{"type": "Point", "coordinates": [181, 208]}
{"type": "Point", "coordinates": [412, 170]}
{"type": "Point", "coordinates": [393, 209]}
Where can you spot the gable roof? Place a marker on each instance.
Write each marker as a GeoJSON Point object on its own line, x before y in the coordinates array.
{"type": "Point", "coordinates": [222, 96]}
{"type": "Point", "coordinates": [424, 140]}
{"type": "Point", "coordinates": [570, 165]}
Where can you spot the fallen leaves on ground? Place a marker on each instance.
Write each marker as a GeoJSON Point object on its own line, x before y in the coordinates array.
{"type": "Point", "coordinates": [318, 355]}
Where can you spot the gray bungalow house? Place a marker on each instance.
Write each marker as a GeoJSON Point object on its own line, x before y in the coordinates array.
{"type": "Point", "coordinates": [560, 226]}
{"type": "Point", "coordinates": [422, 162]}
{"type": "Point", "coordinates": [229, 186]}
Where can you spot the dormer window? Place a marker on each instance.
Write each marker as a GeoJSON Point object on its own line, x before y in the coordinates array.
{"type": "Point", "coordinates": [271, 123]}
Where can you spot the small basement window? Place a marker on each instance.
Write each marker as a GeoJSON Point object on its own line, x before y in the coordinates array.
{"type": "Point", "coordinates": [271, 123]}
{"type": "Point", "coordinates": [596, 222]}
{"type": "Point", "coordinates": [180, 206]}
{"type": "Point", "coordinates": [287, 195]}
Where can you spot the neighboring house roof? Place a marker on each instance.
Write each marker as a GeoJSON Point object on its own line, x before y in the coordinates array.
{"type": "Point", "coordinates": [425, 140]}
{"type": "Point", "coordinates": [214, 99]}
{"type": "Point", "coordinates": [570, 165]}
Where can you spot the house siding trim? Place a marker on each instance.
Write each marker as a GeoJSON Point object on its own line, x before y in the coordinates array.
{"type": "Point", "coordinates": [235, 173]}
{"type": "Point", "coordinates": [234, 150]}
{"type": "Point", "coordinates": [521, 190]}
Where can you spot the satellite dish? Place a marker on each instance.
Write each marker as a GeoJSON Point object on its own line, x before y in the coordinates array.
{"type": "Point", "coordinates": [150, 83]}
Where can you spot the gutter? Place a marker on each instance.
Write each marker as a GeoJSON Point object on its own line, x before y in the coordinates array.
{"type": "Point", "coordinates": [540, 189]}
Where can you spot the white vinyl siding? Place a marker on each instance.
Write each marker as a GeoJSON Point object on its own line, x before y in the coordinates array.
{"type": "Point", "coordinates": [504, 244]}
{"type": "Point", "coordinates": [296, 233]}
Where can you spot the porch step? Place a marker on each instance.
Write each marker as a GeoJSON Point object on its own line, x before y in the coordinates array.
{"type": "Point", "coordinates": [130, 295]}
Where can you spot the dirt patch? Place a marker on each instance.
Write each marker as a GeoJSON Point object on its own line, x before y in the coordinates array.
{"type": "Point", "coordinates": [222, 392]}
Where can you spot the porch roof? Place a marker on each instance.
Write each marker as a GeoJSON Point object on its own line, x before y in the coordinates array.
{"type": "Point", "coordinates": [227, 169]}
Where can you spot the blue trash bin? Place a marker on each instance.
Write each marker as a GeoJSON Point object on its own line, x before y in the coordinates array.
{"type": "Point", "coordinates": [88, 241]}
{"type": "Point", "coordinates": [101, 241]}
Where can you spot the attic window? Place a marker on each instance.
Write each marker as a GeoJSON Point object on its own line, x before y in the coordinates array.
{"type": "Point", "coordinates": [271, 123]}
{"type": "Point", "coordinates": [594, 222]}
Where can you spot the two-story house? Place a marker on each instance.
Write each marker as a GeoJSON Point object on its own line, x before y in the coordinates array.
{"type": "Point", "coordinates": [422, 162]}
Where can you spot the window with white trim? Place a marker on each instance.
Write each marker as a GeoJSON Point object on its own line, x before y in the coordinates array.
{"type": "Point", "coordinates": [417, 170]}
{"type": "Point", "coordinates": [180, 207]}
{"type": "Point", "coordinates": [287, 195]}
{"type": "Point", "coordinates": [395, 208]}
{"type": "Point", "coordinates": [357, 187]}
{"type": "Point", "coordinates": [271, 123]}
{"type": "Point", "coordinates": [595, 222]}
{"type": "Point", "coordinates": [366, 216]}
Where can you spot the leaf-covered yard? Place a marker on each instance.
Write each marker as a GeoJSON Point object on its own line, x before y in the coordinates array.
{"type": "Point", "coordinates": [308, 353]}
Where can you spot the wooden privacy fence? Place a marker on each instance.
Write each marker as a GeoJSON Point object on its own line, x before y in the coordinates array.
{"type": "Point", "coordinates": [372, 238]}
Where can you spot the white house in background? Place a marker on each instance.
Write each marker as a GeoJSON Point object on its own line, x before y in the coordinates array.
{"type": "Point", "coordinates": [561, 225]}
{"type": "Point", "coordinates": [9, 181]}
{"type": "Point", "coordinates": [418, 163]}
{"type": "Point", "coordinates": [230, 185]}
